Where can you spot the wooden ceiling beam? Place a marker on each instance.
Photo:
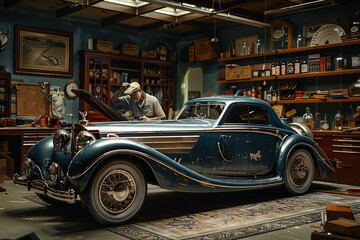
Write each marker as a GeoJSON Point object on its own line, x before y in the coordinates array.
{"type": "Point", "coordinates": [63, 12]}
{"type": "Point", "coordinates": [115, 19]}
{"type": "Point", "coordinates": [74, 7]}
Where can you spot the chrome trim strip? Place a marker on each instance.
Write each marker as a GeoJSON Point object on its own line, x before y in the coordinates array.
{"type": "Point", "coordinates": [351, 152]}
{"type": "Point", "coordinates": [168, 144]}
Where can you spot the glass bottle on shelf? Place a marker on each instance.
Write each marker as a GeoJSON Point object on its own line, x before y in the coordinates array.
{"type": "Point", "coordinates": [290, 68]}
{"type": "Point", "coordinates": [259, 48]}
{"type": "Point", "coordinates": [283, 68]}
{"type": "Point", "coordinates": [325, 123]}
{"type": "Point", "coordinates": [297, 66]}
{"type": "Point", "coordinates": [339, 118]}
{"type": "Point", "coordinates": [300, 41]}
{"type": "Point", "coordinates": [304, 66]}
{"type": "Point", "coordinates": [273, 69]}
{"type": "Point", "coordinates": [308, 118]}
{"type": "Point", "coordinates": [277, 68]}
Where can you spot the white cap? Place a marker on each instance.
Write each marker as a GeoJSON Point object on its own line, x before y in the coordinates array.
{"type": "Point", "coordinates": [134, 86]}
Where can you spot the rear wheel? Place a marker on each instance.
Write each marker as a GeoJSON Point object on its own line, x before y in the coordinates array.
{"type": "Point", "coordinates": [299, 172]}
{"type": "Point", "coordinates": [116, 193]}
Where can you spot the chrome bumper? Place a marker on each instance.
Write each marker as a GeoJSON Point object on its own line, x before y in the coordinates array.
{"type": "Point", "coordinates": [43, 188]}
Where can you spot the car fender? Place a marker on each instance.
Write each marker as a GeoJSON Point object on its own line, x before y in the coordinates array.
{"type": "Point", "coordinates": [42, 154]}
{"type": "Point", "coordinates": [296, 141]}
{"type": "Point", "coordinates": [85, 162]}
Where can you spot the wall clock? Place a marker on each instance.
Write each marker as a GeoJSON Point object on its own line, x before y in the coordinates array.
{"type": "Point", "coordinates": [282, 35]}
{"type": "Point", "coordinates": [68, 87]}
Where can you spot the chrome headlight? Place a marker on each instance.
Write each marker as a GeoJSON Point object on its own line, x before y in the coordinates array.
{"type": "Point", "coordinates": [61, 139]}
{"type": "Point", "coordinates": [55, 172]}
{"type": "Point", "coordinates": [29, 166]}
{"type": "Point", "coordinates": [83, 139]}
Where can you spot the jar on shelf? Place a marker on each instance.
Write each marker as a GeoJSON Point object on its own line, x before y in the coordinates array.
{"type": "Point", "coordinates": [245, 49]}
{"type": "Point", "coordinates": [308, 118]}
{"type": "Point", "coordinates": [339, 119]}
{"type": "Point", "coordinates": [354, 89]}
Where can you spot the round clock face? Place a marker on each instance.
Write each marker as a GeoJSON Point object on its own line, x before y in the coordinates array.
{"type": "Point", "coordinates": [69, 86]}
{"type": "Point", "coordinates": [327, 34]}
{"type": "Point", "coordinates": [279, 33]}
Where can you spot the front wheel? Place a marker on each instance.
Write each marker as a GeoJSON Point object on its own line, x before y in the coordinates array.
{"type": "Point", "coordinates": [299, 172]}
{"type": "Point", "coordinates": [116, 193]}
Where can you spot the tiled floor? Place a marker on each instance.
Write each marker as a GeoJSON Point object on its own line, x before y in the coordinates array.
{"type": "Point", "coordinates": [20, 216]}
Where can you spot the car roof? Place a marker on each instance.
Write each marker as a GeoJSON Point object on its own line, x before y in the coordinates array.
{"type": "Point", "coordinates": [229, 99]}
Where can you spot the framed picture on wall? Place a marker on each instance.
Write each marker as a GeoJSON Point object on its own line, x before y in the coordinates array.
{"type": "Point", "coordinates": [43, 52]}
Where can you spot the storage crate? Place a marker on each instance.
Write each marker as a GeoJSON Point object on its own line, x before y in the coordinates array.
{"type": "Point", "coordinates": [237, 72]}
{"type": "Point", "coordinates": [130, 49]}
{"type": "Point", "coordinates": [104, 46]}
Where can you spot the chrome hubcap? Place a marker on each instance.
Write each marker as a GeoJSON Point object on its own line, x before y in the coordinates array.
{"type": "Point", "coordinates": [299, 170]}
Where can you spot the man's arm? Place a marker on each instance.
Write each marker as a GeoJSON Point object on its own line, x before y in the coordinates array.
{"type": "Point", "coordinates": [117, 94]}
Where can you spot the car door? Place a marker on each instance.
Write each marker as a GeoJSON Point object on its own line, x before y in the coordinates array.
{"type": "Point", "coordinates": [246, 143]}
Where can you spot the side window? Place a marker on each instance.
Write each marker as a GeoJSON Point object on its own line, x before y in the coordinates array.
{"type": "Point", "coordinates": [240, 114]}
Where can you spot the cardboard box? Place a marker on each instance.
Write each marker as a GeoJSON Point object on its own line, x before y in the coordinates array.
{"type": "Point", "coordinates": [279, 109]}
{"type": "Point", "coordinates": [343, 226]}
{"type": "Point", "coordinates": [237, 72]}
{"type": "Point", "coordinates": [335, 211]}
{"type": "Point", "coordinates": [104, 46]}
{"type": "Point", "coordinates": [130, 49]}
{"type": "Point", "coordinates": [204, 50]}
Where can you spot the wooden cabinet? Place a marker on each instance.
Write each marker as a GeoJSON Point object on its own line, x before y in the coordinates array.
{"type": "Point", "coordinates": [317, 80]}
{"type": "Point", "coordinates": [345, 148]}
{"type": "Point", "coordinates": [102, 75]}
{"type": "Point", "coordinates": [15, 142]}
{"type": "Point", "coordinates": [5, 94]}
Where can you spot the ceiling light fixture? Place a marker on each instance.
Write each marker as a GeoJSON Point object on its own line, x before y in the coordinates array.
{"type": "Point", "coordinates": [129, 3]}
{"type": "Point", "coordinates": [210, 12]}
{"type": "Point", "coordinates": [305, 5]}
{"type": "Point", "coordinates": [172, 11]}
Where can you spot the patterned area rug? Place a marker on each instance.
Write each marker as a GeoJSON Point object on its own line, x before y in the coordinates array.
{"type": "Point", "coordinates": [236, 215]}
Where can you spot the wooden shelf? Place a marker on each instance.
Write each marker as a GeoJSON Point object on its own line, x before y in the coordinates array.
{"type": "Point", "coordinates": [329, 100]}
{"type": "Point", "coordinates": [292, 50]}
{"type": "Point", "coordinates": [319, 74]}
{"type": "Point", "coordinates": [294, 76]}
{"type": "Point", "coordinates": [258, 79]}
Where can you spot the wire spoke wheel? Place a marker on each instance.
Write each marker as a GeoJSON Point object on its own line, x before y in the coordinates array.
{"type": "Point", "coordinates": [116, 193]}
{"type": "Point", "coordinates": [299, 172]}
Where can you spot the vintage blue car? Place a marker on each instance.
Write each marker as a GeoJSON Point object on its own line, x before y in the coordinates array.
{"type": "Point", "coordinates": [214, 144]}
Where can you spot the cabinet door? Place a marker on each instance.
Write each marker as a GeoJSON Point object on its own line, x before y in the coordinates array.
{"type": "Point", "coordinates": [346, 149]}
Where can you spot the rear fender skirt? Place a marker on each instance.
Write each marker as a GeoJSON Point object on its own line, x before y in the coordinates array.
{"type": "Point", "coordinates": [299, 141]}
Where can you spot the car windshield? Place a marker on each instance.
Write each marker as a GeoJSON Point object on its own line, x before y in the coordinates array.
{"type": "Point", "coordinates": [202, 111]}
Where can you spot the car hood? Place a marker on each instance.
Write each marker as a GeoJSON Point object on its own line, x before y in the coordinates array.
{"type": "Point", "coordinates": [151, 127]}
{"type": "Point", "coordinates": [101, 107]}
